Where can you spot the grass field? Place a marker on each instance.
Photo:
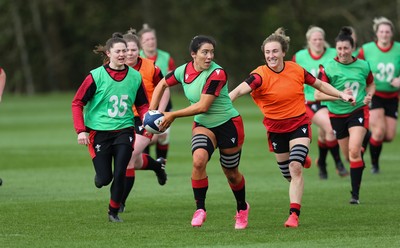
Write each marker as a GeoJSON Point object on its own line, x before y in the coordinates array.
{"type": "Point", "coordinates": [48, 198]}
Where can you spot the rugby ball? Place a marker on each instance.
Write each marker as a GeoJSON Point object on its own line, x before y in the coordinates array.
{"type": "Point", "coordinates": [152, 120]}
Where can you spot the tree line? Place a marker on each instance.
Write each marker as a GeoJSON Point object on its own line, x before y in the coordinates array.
{"type": "Point", "coordinates": [46, 45]}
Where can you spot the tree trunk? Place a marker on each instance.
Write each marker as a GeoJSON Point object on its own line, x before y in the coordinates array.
{"type": "Point", "coordinates": [37, 23]}
{"type": "Point", "coordinates": [19, 33]}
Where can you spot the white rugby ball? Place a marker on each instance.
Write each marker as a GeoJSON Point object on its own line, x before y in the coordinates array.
{"type": "Point", "coordinates": [152, 120]}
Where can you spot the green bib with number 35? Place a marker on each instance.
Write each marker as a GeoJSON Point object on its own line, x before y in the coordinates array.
{"type": "Point", "coordinates": [111, 106]}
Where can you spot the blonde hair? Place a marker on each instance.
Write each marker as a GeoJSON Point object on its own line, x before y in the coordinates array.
{"type": "Point", "coordinates": [382, 20]}
{"type": "Point", "coordinates": [313, 29]}
{"type": "Point", "coordinates": [146, 29]}
{"type": "Point", "coordinates": [278, 36]}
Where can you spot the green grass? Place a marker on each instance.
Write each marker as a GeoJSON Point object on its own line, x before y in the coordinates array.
{"type": "Point", "coordinates": [48, 198]}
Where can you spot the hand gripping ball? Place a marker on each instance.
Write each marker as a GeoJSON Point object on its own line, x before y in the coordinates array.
{"type": "Point", "coordinates": [152, 120]}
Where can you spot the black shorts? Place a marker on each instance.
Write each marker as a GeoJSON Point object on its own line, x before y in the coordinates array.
{"type": "Point", "coordinates": [139, 125]}
{"type": "Point", "coordinates": [313, 107]}
{"type": "Point", "coordinates": [279, 142]}
{"type": "Point", "coordinates": [228, 135]}
{"type": "Point", "coordinates": [341, 125]}
{"type": "Point", "coordinates": [103, 141]}
{"type": "Point", "coordinates": [390, 105]}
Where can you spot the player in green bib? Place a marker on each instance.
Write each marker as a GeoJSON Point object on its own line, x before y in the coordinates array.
{"type": "Point", "coordinates": [383, 56]}
{"type": "Point", "coordinates": [356, 49]}
{"type": "Point", "coordinates": [310, 58]}
{"type": "Point", "coordinates": [216, 124]}
{"type": "Point", "coordinates": [349, 121]}
{"type": "Point", "coordinates": [164, 61]}
{"type": "Point", "coordinates": [104, 120]}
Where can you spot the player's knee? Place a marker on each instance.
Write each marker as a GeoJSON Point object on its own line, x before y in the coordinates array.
{"type": "Point", "coordinates": [103, 180]}
{"type": "Point", "coordinates": [354, 153]}
{"type": "Point", "coordinates": [163, 139]}
{"type": "Point", "coordinates": [330, 135]}
{"type": "Point", "coordinates": [389, 137]}
{"type": "Point", "coordinates": [295, 169]}
{"type": "Point", "coordinates": [378, 133]}
{"type": "Point", "coordinates": [200, 162]}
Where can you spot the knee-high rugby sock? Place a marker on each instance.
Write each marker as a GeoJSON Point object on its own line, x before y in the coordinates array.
{"type": "Point", "coordinates": [375, 148]}
{"type": "Point", "coordinates": [200, 188]}
{"type": "Point", "coordinates": [356, 171]}
{"type": "Point", "coordinates": [322, 153]}
{"type": "Point", "coordinates": [129, 182]}
{"type": "Point", "coordinates": [239, 191]}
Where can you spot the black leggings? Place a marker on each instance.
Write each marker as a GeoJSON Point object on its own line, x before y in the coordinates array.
{"type": "Point", "coordinates": [103, 166]}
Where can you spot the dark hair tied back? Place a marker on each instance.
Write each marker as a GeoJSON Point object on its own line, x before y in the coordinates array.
{"type": "Point", "coordinates": [345, 35]}
{"type": "Point", "coordinates": [117, 35]}
{"type": "Point", "coordinates": [346, 31]}
{"type": "Point", "coordinates": [199, 40]}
